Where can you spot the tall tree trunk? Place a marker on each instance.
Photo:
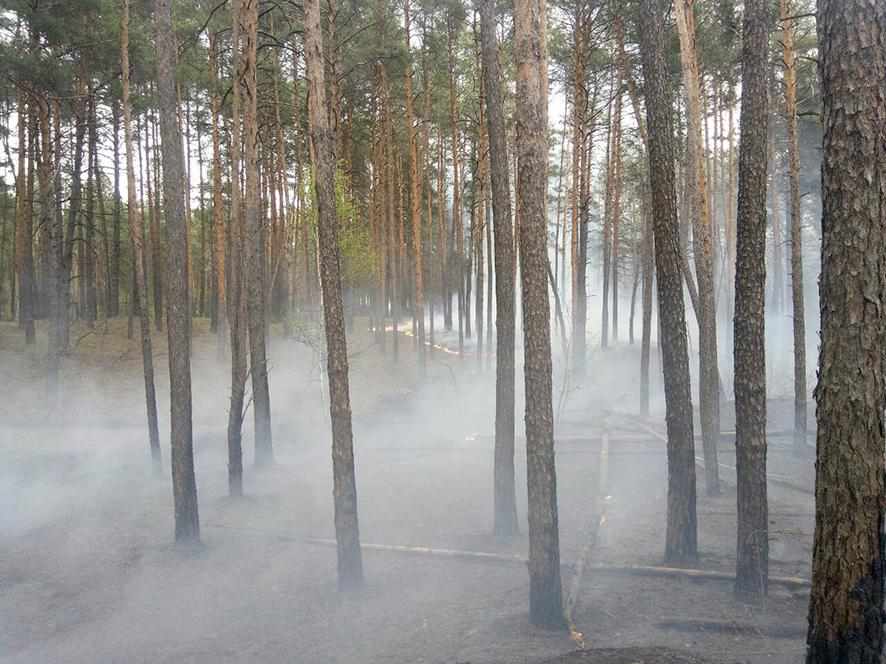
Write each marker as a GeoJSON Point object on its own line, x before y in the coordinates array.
{"type": "Point", "coordinates": [579, 244]}
{"type": "Point", "coordinates": [394, 221]}
{"type": "Point", "coordinates": [730, 210]}
{"type": "Point", "coordinates": [799, 306]}
{"type": "Point", "coordinates": [504, 498]}
{"type": "Point", "coordinates": [105, 238]}
{"type": "Point", "coordinates": [545, 593]}
{"type": "Point", "coordinates": [615, 219]}
{"type": "Point", "coordinates": [415, 199]}
{"type": "Point", "coordinates": [443, 233]}
{"type": "Point", "coordinates": [777, 296]}
{"type": "Point", "coordinates": [114, 267]}
{"type": "Point", "coordinates": [559, 222]}
{"type": "Point", "coordinates": [201, 202]}
{"type": "Point", "coordinates": [154, 267]}
{"type": "Point", "coordinates": [280, 242]}
{"type": "Point", "coordinates": [347, 531]}
{"type": "Point", "coordinates": [24, 229]}
{"type": "Point", "coordinates": [752, 563]}
{"type": "Point", "coordinates": [187, 522]}
{"type": "Point", "coordinates": [480, 203]}
{"type": "Point", "coordinates": [136, 235]}
{"type": "Point", "coordinates": [648, 270]}
{"type": "Point", "coordinates": [708, 384]}
{"type": "Point", "coordinates": [441, 224]}
{"type": "Point", "coordinates": [90, 303]}
{"type": "Point", "coordinates": [457, 228]}
{"type": "Point", "coordinates": [846, 603]}
{"type": "Point", "coordinates": [607, 221]}
{"type": "Point", "coordinates": [681, 545]}
{"type": "Point", "coordinates": [255, 267]}
{"type": "Point", "coordinates": [236, 301]}
{"type": "Point", "coordinates": [219, 300]}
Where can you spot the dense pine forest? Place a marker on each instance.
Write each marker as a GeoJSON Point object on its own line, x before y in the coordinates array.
{"type": "Point", "coordinates": [589, 289]}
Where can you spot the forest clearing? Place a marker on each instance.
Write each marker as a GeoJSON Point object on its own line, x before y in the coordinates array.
{"type": "Point", "coordinates": [464, 332]}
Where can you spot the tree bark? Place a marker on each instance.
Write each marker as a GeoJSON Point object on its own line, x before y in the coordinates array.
{"type": "Point", "coordinates": [138, 246]}
{"type": "Point", "coordinates": [615, 217]}
{"type": "Point", "coordinates": [681, 546]}
{"type": "Point", "coordinates": [505, 498]}
{"type": "Point", "coordinates": [799, 307]}
{"type": "Point", "coordinates": [255, 268]}
{"type": "Point", "coordinates": [219, 296]}
{"type": "Point", "coordinates": [152, 172]}
{"type": "Point", "coordinates": [846, 602]}
{"type": "Point", "coordinates": [545, 599]}
{"type": "Point", "coordinates": [347, 530]}
{"type": "Point", "coordinates": [415, 200]}
{"type": "Point", "coordinates": [89, 305]}
{"type": "Point", "coordinates": [187, 522]}
{"type": "Point", "coordinates": [708, 384]}
{"type": "Point", "coordinates": [752, 560]}
{"type": "Point", "coordinates": [648, 273]}
{"type": "Point", "coordinates": [236, 301]}
{"type": "Point", "coordinates": [578, 245]}
{"type": "Point", "coordinates": [24, 230]}
{"type": "Point", "coordinates": [457, 256]}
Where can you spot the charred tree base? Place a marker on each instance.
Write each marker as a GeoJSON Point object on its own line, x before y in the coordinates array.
{"type": "Point", "coordinates": [681, 557]}
{"type": "Point", "coordinates": [350, 569]}
{"type": "Point", "coordinates": [235, 482]}
{"type": "Point", "coordinates": [751, 584]}
{"type": "Point", "coordinates": [545, 606]}
{"type": "Point", "coordinates": [506, 524]}
{"type": "Point", "coordinates": [187, 530]}
{"type": "Point", "coordinates": [156, 462]}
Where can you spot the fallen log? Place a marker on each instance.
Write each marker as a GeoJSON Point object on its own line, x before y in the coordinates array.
{"type": "Point", "coordinates": [793, 582]}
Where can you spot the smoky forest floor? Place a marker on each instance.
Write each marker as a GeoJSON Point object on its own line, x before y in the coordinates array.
{"type": "Point", "coordinates": [89, 574]}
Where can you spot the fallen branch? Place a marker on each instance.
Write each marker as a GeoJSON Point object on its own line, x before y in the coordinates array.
{"type": "Point", "coordinates": [793, 582]}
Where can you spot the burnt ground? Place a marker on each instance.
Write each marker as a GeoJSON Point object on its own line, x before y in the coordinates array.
{"type": "Point", "coordinates": [89, 574]}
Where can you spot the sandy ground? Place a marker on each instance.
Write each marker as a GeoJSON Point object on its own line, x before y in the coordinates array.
{"type": "Point", "coordinates": [89, 573]}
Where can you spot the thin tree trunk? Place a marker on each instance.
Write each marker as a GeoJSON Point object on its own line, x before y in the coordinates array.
{"type": "Point", "coordinates": [607, 222]}
{"type": "Point", "coordinates": [51, 218]}
{"type": "Point", "coordinates": [254, 269]}
{"type": "Point", "coordinates": [236, 300]}
{"type": "Point", "coordinates": [415, 199]}
{"type": "Point", "coordinates": [616, 208]}
{"type": "Point", "coordinates": [24, 230]}
{"type": "Point", "coordinates": [578, 245]}
{"type": "Point", "coordinates": [681, 545]}
{"type": "Point", "coordinates": [219, 299]}
{"type": "Point", "coordinates": [457, 229]}
{"type": "Point", "coordinates": [504, 496]}
{"type": "Point", "coordinates": [114, 268]}
{"type": "Point", "coordinates": [799, 307]}
{"type": "Point", "coordinates": [347, 531]}
{"type": "Point", "coordinates": [154, 267]}
{"type": "Point", "coordinates": [187, 522]}
{"type": "Point", "coordinates": [708, 384]}
{"type": "Point", "coordinates": [140, 290]}
{"type": "Point", "coordinates": [648, 268]}
{"type": "Point", "coordinates": [90, 303]}
{"type": "Point", "coordinates": [481, 223]}
{"type": "Point", "coordinates": [105, 237]}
